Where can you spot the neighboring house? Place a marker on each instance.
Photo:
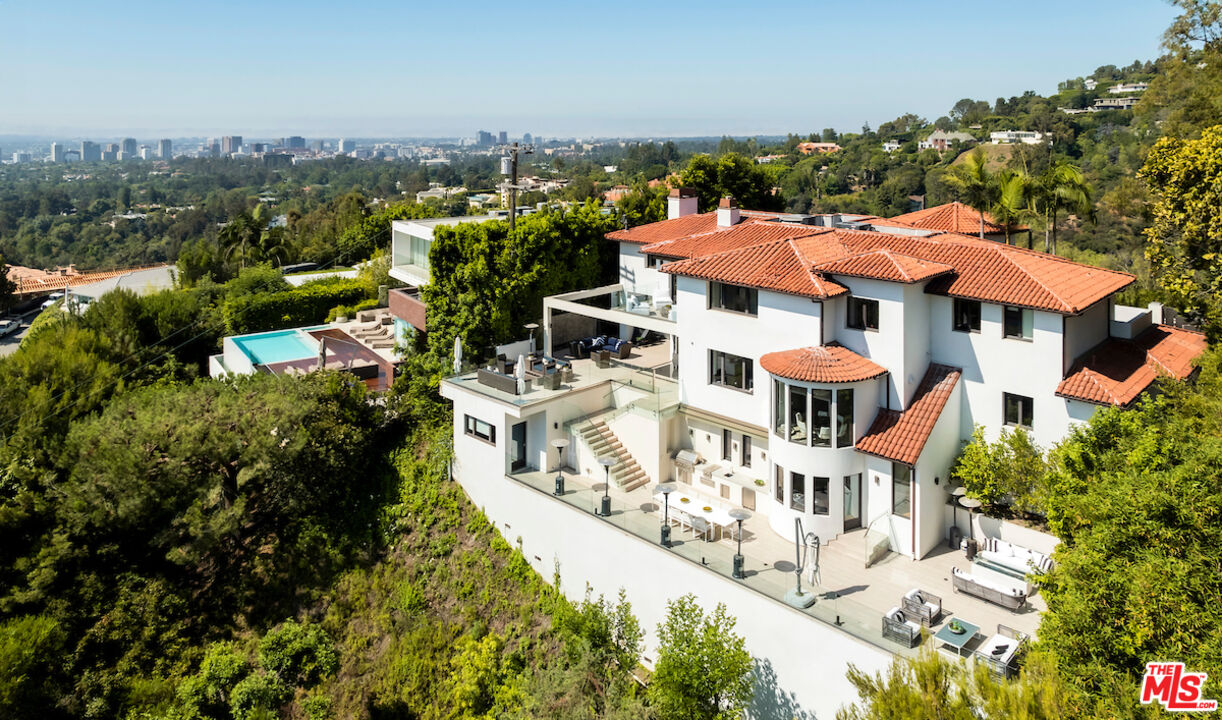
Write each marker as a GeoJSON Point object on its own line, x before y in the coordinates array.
{"type": "Point", "coordinates": [1123, 103]}
{"type": "Point", "coordinates": [1009, 137]}
{"type": "Point", "coordinates": [952, 217]}
{"type": "Point", "coordinates": [826, 369]}
{"type": "Point", "coordinates": [1090, 84]}
{"type": "Point", "coordinates": [1126, 88]}
{"type": "Point", "coordinates": [941, 140]}
{"type": "Point", "coordinates": [438, 192]}
{"type": "Point", "coordinates": [890, 146]}
{"type": "Point", "coordinates": [811, 148]}
{"type": "Point", "coordinates": [616, 193]}
{"type": "Point", "coordinates": [767, 159]}
{"type": "Point", "coordinates": [364, 349]}
{"type": "Point", "coordinates": [410, 241]}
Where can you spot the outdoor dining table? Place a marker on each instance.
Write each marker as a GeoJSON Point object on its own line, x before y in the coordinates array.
{"type": "Point", "coordinates": [957, 641]}
{"type": "Point", "coordinates": [694, 505]}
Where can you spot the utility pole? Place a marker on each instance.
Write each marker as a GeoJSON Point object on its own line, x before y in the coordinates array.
{"type": "Point", "coordinates": [509, 166]}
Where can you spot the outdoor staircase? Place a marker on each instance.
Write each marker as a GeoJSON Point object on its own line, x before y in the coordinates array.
{"type": "Point", "coordinates": [626, 473]}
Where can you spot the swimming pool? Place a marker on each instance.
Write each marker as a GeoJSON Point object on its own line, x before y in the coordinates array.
{"type": "Point", "coordinates": [274, 347]}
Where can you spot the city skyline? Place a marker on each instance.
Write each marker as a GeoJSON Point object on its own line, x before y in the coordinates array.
{"type": "Point", "coordinates": [687, 70]}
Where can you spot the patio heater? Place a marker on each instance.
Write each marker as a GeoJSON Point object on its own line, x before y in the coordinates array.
{"type": "Point", "coordinates": [797, 597]}
{"type": "Point", "coordinates": [666, 489]}
{"type": "Point", "coordinates": [739, 514]}
{"type": "Point", "coordinates": [532, 327]}
{"type": "Point", "coordinates": [606, 461]}
{"type": "Point", "coordinates": [560, 444]}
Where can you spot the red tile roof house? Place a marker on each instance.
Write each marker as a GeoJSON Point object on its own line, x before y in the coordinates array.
{"type": "Point", "coordinates": [843, 360]}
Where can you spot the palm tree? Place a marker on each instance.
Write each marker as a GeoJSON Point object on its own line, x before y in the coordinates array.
{"type": "Point", "coordinates": [1062, 187]}
{"type": "Point", "coordinates": [1013, 200]}
{"type": "Point", "coordinates": [974, 183]}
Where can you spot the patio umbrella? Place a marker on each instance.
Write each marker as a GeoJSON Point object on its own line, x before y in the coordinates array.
{"type": "Point", "coordinates": [519, 371]}
{"type": "Point", "coordinates": [812, 542]}
{"type": "Point", "coordinates": [457, 354]}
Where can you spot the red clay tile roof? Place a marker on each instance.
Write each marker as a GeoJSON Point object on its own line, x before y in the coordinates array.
{"type": "Point", "coordinates": [951, 217]}
{"type": "Point", "coordinates": [885, 265]}
{"type": "Point", "coordinates": [34, 281]}
{"type": "Point", "coordinates": [780, 265]}
{"type": "Point", "coordinates": [982, 269]}
{"type": "Point", "coordinates": [901, 436]}
{"type": "Point", "coordinates": [831, 363]}
{"type": "Point", "coordinates": [1116, 371]}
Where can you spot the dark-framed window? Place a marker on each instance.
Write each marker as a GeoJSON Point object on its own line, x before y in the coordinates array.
{"type": "Point", "coordinates": [862, 314]}
{"type": "Point", "coordinates": [821, 418]}
{"type": "Point", "coordinates": [844, 418]}
{"type": "Point", "coordinates": [746, 451]}
{"type": "Point", "coordinates": [799, 416]}
{"type": "Point", "coordinates": [780, 484]}
{"type": "Point", "coordinates": [734, 298]}
{"type": "Point", "coordinates": [821, 501]}
{"type": "Point", "coordinates": [477, 428]}
{"type": "Point", "coordinates": [727, 438]}
{"type": "Point", "coordinates": [778, 407]}
{"type": "Point", "coordinates": [797, 491]}
{"type": "Point", "coordinates": [731, 371]}
{"type": "Point", "coordinates": [901, 490]}
{"type": "Point", "coordinates": [1017, 323]}
{"type": "Point", "coordinates": [966, 315]}
{"type": "Point", "coordinates": [1019, 410]}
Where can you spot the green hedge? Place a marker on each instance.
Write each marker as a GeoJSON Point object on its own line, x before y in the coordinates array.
{"type": "Point", "coordinates": [305, 305]}
{"type": "Point", "coordinates": [350, 311]}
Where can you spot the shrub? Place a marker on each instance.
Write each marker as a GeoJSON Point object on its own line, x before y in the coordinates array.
{"type": "Point", "coordinates": [350, 311]}
{"type": "Point", "coordinates": [1012, 469]}
{"type": "Point", "coordinates": [258, 696]}
{"type": "Point", "coordinates": [300, 654]}
{"type": "Point", "coordinates": [305, 305]}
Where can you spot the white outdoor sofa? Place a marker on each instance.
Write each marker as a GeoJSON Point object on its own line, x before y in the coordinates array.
{"type": "Point", "coordinates": [999, 592]}
{"type": "Point", "coordinates": [1005, 562]}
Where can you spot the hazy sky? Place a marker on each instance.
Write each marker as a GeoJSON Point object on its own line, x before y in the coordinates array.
{"type": "Point", "coordinates": [550, 68]}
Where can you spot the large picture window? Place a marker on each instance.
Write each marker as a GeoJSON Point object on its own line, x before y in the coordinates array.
{"type": "Point", "coordinates": [901, 490]}
{"type": "Point", "coordinates": [797, 491]}
{"type": "Point", "coordinates": [863, 314]}
{"type": "Point", "coordinates": [1019, 410]}
{"type": "Point", "coordinates": [821, 418]}
{"type": "Point", "coordinates": [1018, 323]}
{"type": "Point", "coordinates": [731, 370]}
{"type": "Point", "coordinates": [844, 418]}
{"type": "Point", "coordinates": [477, 428]}
{"type": "Point", "coordinates": [821, 502]}
{"type": "Point", "coordinates": [734, 298]}
{"type": "Point", "coordinates": [966, 314]}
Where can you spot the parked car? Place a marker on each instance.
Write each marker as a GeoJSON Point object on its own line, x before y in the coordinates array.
{"type": "Point", "coordinates": [8, 327]}
{"type": "Point", "coordinates": [52, 299]}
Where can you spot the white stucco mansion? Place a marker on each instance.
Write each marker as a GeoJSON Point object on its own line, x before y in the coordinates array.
{"type": "Point", "coordinates": [823, 367]}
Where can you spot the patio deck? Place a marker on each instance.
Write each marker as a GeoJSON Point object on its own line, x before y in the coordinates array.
{"type": "Point", "coordinates": [850, 595]}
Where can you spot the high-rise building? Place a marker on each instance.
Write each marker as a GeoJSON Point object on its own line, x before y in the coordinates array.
{"type": "Point", "coordinates": [111, 152]}
{"type": "Point", "coordinates": [295, 142]}
{"type": "Point", "coordinates": [258, 147]}
{"type": "Point", "coordinates": [90, 151]}
{"type": "Point", "coordinates": [347, 146]}
{"type": "Point", "coordinates": [146, 152]}
{"type": "Point", "coordinates": [128, 146]}
{"type": "Point", "coordinates": [527, 138]}
{"type": "Point", "coordinates": [502, 137]}
{"type": "Point", "coordinates": [57, 152]}
{"type": "Point", "coordinates": [21, 157]}
{"type": "Point", "coordinates": [214, 149]}
{"type": "Point", "coordinates": [319, 145]}
{"type": "Point", "coordinates": [484, 138]}
{"type": "Point", "coordinates": [231, 144]}
{"type": "Point", "coordinates": [165, 149]}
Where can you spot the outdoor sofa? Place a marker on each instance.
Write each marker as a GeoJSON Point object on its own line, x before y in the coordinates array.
{"type": "Point", "coordinates": [1003, 651]}
{"type": "Point", "coordinates": [988, 589]}
{"type": "Point", "coordinates": [583, 347]}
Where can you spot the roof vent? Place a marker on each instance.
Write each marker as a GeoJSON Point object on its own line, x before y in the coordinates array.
{"type": "Point", "coordinates": [727, 212]}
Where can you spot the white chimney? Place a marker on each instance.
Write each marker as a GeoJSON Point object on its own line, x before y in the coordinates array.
{"type": "Point", "coordinates": [681, 203]}
{"type": "Point", "coordinates": [727, 212]}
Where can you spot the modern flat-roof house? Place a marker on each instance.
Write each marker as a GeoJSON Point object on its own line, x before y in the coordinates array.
{"type": "Point", "coordinates": [817, 374]}
{"type": "Point", "coordinates": [1009, 137]}
{"type": "Point", "coordinates": [410, 241]}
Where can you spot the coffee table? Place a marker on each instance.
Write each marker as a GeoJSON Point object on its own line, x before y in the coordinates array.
{"type": "Point", "coordinates": [957, 641]}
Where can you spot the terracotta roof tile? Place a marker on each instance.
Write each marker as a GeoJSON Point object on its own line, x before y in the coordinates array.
{"type": "Point", "coordinates": [744, 234]}
{"type": "Point", "coordinates": [831, 363]}
{"type": "Point", "coordinates": [885, 265]}
{"type": "Point", "coordinates": [780, 265]}
{"type": "Point", "coordinates": [682, 227]}
{"type": "Point", "coordinates": [901, 436]}
{"type": "Point", "coordinates": [951, 217]}
{"type": "Point", "coordinates": [44, 282]}
{"type": "Point", "coordinates": [1117, 371]}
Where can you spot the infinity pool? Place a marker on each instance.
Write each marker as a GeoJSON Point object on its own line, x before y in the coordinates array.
{"type": "Point", "coordinates": [274, 347]}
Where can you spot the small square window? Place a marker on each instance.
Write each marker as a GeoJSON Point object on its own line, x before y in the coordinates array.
{"type": "Point", "coordinates": [1018, 323]}
{"type": "Point", "coordinates": [966, 315]}
{"type": "Point", "coordinates": [862, 314]}
{"type": "Point", "coordinates": [1019, 410]}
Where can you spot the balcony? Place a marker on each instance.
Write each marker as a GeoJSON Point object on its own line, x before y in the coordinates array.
{"type": "Point", "coordinates": [611, 303]}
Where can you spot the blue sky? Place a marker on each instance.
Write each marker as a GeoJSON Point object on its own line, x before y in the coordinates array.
{"type": "Point", "coordinates": [549, 68]}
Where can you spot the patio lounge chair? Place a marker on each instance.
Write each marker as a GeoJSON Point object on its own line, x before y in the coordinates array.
{"type": "Point", "coordinates": [897, 627]}
{"type": "Point", "coordinates": [1003, 652]}
{"type": "Point", "coordinates": [988, 589]}
{"type": "Point", "coordinates": [922, 606]}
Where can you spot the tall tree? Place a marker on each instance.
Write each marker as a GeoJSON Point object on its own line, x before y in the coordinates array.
{"type": "Point", "coordinates": [1012, 200]}
{"type": "Point", "coordinates": [974, 184]}
{"type": "Point", "coordinates": [1061, 187]}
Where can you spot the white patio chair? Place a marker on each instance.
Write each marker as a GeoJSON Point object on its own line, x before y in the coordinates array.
{"type": "Point", "coordinates": [701, 528]}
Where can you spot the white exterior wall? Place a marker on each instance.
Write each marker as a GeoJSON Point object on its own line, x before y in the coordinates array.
{"type": "Point", "coordinates": [885, 346]}
{"type": "Point", "coordinates": [633, 273]}
{"type": "Point", "coordinates": [1083, 332]}
{"type": "Point", "coordinates": [934, 464]}
{"type": "Point", "coordinates": [808, 657]}
{"type": "Point", "coordinates": [877, 481]}
{"type": "Point", "coordinates": [236, 360]}
{"type": "Point", "coordinates": [783, 322]}
{"type": "Point", "coordinates": [993, 364]}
